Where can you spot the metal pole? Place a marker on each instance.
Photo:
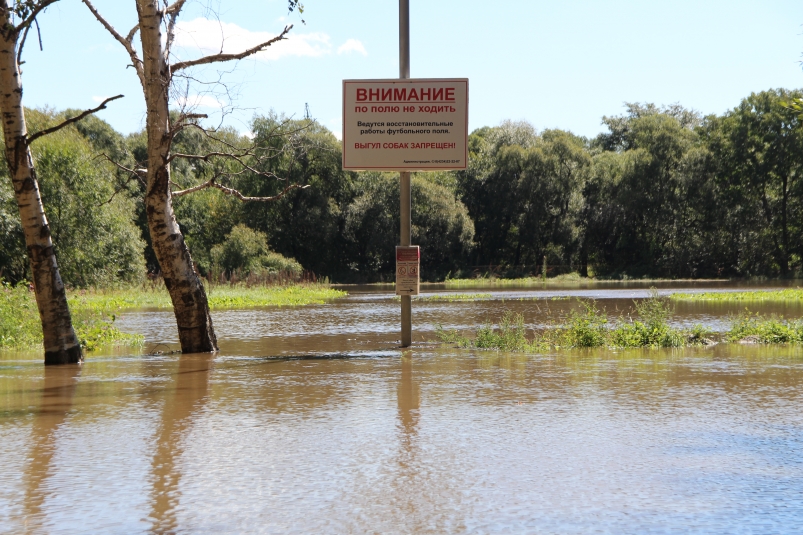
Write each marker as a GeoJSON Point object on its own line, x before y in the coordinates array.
{"type": "Point", "coordinates": [406, 238]}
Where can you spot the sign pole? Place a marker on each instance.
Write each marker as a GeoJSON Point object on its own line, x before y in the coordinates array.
{"type": "Point", "coordinates": [406, 207]}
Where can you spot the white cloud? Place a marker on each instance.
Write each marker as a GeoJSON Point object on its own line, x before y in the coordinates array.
{"type": "Point", "coordinates": [99, 99]}
{"type": "Point", "coordinates": [199, 101]}
{"type": "Point", "coordinates": [352, 45]}
{"type": "Point", "coordinates": [208, 36]}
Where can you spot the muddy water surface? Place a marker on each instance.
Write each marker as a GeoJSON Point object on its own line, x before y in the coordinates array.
{"type": "Point", "coordinates": [311, 420]}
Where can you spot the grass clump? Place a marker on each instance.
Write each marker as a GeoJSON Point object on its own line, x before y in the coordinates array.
{"type": "Point", "coordinates": [510, 336]}
{"type": "Point", "coordinates": [756, 328]}
{"type": "Point", "coordinates": [789, 294]}
{"type": "Point", "coordinates": [652, 329]}
{"type": "Point", "coordinates": [587, 327]}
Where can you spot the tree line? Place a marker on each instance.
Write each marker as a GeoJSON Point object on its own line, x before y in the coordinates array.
{"type": "Point", "coordinates": [663, 192]}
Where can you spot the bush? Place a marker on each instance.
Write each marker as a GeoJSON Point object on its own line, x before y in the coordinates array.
{"type": "Point", "coordinates": [245, 251]}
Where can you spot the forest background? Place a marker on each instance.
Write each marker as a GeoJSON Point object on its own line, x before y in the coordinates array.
{"type": "Point", "coordinates": [663, 192]}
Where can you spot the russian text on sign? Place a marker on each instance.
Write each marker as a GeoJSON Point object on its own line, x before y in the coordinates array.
{"type": "Point", "coordinates": [427, 119]}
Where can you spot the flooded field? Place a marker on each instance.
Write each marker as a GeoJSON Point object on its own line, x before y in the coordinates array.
{"type": "Point", "coordinates": [311, 420]}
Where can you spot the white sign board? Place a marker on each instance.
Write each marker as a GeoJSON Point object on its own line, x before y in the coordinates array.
{"type": "Point", "coordinates": [408, 264]}
{"type": "Point", "coordinates": [405, 125]}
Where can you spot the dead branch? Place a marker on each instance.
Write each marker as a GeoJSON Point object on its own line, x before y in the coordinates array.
{"type": "Point", "coordinates": [129, 47]}
{"type": "Point", "coordinates": [22, 45]}
{"type": "Point", "coordinates": [130, 36]}
{"type": "Point", "coordinates": [71, 120]}
{"type": "Point", "coordinates": [175, 7]}
{"type": "Point", "coordinates": [123, 187]}
{"type": "Point", "coordinates": [212, 183]}
{"type": "Point", "coordinates": [171, 12]}
{"type": "Point", "coordinates": [141, 174]}
{"type": "Point", "coordinates": [217, 58]}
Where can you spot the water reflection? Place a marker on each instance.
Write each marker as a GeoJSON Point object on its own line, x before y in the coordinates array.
{"type": "Point", "coordinates": [58, 390]}
{"type": "Point", "coordinates": [187, 400]}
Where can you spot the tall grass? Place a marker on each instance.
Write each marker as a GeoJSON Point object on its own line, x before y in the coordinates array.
{"type": "Point", "coordinates": [20, 327]}
{"type": "Point", "coordinates": [757, 328]}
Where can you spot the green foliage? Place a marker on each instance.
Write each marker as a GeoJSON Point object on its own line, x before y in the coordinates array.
{"type": "Point", "coordinates": [246, 251]}
{"type": "Point", "coordinates": [20, 327]}
{"type": "Point", "coordinates": [96, 241]}
{"type": "Point", "coordinates": [510, 336]}
{"type": "Point", "coordinates": [19, 318]}
{"type": "Point", "coordinates": [765, 329]}
{"type": "Point", "coordinates": [586, 327]}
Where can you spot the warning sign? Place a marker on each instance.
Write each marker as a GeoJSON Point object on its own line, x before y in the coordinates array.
{"type": "Point", "coordinates": [408, 262]}
{"type": "Point", "coordinates": [405, 125]}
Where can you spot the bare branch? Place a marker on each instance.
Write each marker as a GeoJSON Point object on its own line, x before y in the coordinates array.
{"type": "Point", "coordinates": [22, 45]}
{"type": "Point", "coordinates": [37, 9]}
{"type": "Point", "coordinates": [136, 62]}
{"type": "Point", "coordinates": [141, 174]}
{"type": "Point", "coordinates": [131, 34]}
{"type": "Point", "coordinates": [175, 7]}
{"type": "Point", "coordinates": [171, 12]}
{"type": "Point", "coordinates": [212, 183]}
{"type": "Point", "coordinates": [71, 120]}
{"type": "Point", "coordinates": [123, 187]}
{"type": "Point", "coordinates": [217, 58]}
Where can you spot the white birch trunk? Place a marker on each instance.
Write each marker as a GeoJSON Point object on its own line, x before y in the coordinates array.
{"type": "Point", "coordinates": [60, 343]}
{"type": "Point", "coordinates": [190, 305]}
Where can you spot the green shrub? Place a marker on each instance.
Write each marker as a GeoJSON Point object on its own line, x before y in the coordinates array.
{"type": "Point", "coordinates": [245, 252]}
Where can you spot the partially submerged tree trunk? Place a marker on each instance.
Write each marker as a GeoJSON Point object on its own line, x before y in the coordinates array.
{"type": "Point", "coordinates": [155, 73]}
{"type": "Point", "coordinates": [190, 304]}
{"type": "Point", "coordinates": [60, 342]}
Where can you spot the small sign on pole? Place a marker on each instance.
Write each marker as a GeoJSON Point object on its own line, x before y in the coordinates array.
{"type": "Point", "coordinates": [408, 275]}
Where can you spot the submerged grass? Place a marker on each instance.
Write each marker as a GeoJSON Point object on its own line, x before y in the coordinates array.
{"type": "Point", "coordinates": [789, 294]}
{"type": "Point", "coordinates": [94, 311]}
{"type": "Point", "coordinates": [760, 329]}
{"type": "Point", "coordinates": [449, 297]}
{"type": "Point", "coordinates": [586, 327]}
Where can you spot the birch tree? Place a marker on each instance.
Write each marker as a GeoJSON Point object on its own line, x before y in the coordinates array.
{"type": "Point", "coordinates": [156, 70]}
{"type": "Point", "coordinates": [61, 345]}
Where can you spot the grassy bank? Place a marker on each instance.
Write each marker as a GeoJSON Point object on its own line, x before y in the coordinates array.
{"type": "Point", "coordinates": [754, 296]}
{"type": "Point", "coordinates": [94, 311]}
{"type": "Point", "coordinates": [589, 327]}
{"type": "Point", "coordinates": [221, 297]}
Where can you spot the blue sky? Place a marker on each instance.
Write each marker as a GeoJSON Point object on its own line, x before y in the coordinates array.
{"type": "Point", "coordinates": [557, 64]}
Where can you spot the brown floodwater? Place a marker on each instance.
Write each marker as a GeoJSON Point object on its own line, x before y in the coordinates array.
{"type": "Point", "coordinates": [312, 420]}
